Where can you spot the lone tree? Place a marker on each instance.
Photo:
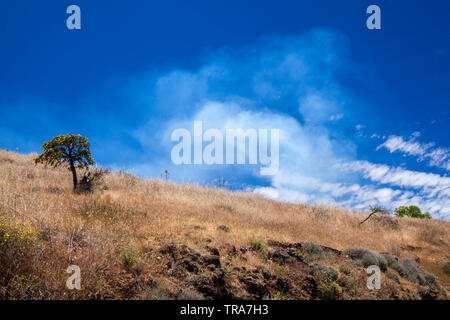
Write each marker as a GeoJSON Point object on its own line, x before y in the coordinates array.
{"type": "Point", "coordinates": [71, 150]}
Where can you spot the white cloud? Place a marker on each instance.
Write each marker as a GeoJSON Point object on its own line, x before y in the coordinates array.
{"type": "Point", "coordinates": [438, 157]}
{"type": "Point", "coordinates": [396, 176]}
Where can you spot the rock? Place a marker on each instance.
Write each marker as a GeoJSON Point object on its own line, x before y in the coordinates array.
{"type": "Point", "coordinates": [217, 287]}
{"type": "Point", "coordinates": [283, 285]}
{"type": "Point", "coordinates": [310, 285]}
{"type": "Point", "coordinates": [214, 251]}
{"type": "Point", "coordinates": [254, 285]}
{"type": "Point", "coordinates": [280, 256]}
{"type": "Point", "coordinates": [211, 259]}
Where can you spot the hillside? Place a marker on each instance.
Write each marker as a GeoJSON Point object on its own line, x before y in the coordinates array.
{"type": "Point", "coordinates": [151, 239]}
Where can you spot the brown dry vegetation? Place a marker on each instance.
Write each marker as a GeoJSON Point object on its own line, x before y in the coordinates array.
{"type": "Point", "coordinates": [117, 235]}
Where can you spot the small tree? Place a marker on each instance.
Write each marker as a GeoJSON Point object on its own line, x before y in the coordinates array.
{"type": "Point", "coordinates": [411, 211]}
{"type": "Point", "coordinates": [70, 149]}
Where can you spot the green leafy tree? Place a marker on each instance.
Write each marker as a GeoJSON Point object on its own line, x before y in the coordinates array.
{"type": "Point", "coordinates": [411, 211]}
{"type": "Point", "coordinates": [71, 150]}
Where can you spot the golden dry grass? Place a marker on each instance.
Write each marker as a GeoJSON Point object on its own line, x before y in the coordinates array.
{"type": "Point", "coordinates": [93, 231]}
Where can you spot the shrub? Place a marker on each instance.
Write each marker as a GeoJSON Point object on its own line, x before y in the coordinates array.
{"type": "Point", "coordinates": [412, 273]}
{"type": "Point", "coordinates": [344, 268]}
{"type": "Point", "coordinates": [367, 257]}
{"type": "Point", "coordinates": [330, 291]}
{"type": "Point", "coordinates": [382, 263]}
{"type": "Point", "coordinates": [312, 249]}
{"type": "Point", "coordinates": [257, 244]}
{"type": "Point", "coordinates": [397, 266]}
{"type": "Point", "coordinates": [129, 257]}
{"type": "Point", "coordinates": [411, 211]}
{"type": "Point", "coordinates": [91, 180]}
{"type": "Point", "coordinates": [389, 258]}
{"type": "Point", "coordinates": [356, 253]}
{"type": "Point", "coordinates": [279, 267]}
{"type": "Point", "coordinates": [332, 275]}
{"type": "Point", "coordinates": [18, 253]}
{"type": "Point", "coordinates": [392, 275]}
{"type": "Point", "coordinates": [348, 282]}
{"type": "Point", "coordinates": [326, 274]}
{"type": "Point", "coordinates": [429, 277]}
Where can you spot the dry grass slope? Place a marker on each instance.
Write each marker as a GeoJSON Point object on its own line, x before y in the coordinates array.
{"type": "Point", "coordinates": [116, 234]}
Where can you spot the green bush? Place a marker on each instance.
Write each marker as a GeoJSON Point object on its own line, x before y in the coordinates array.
{"type": "Point", "coordinates": [279, 267]}
{"type": "Point", "coordinates": [411, 211]}
{"type": "Point", "coordinates": [257, 244]}
{"type": "Point", "coordinates": [330, 291]}
{"type": "Point", "coordinates": [129, 258]}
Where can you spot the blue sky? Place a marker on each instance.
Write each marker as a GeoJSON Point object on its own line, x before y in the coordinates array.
{"type": "Point", "coordinates": [364, 114]}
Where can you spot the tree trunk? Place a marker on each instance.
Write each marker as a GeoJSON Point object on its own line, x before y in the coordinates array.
{"type": "Point", "coordinates": [74, 175]}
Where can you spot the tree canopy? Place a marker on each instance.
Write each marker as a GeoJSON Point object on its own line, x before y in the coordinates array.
{"type": "Point", "coordinates": [411, 211]}
{"type": "Point", "coordinates": [71, 150]}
